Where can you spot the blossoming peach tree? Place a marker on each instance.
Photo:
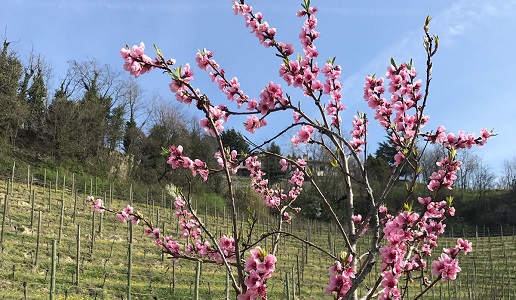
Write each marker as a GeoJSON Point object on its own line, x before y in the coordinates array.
{"type": "Point", "coordinates": [402, 240]}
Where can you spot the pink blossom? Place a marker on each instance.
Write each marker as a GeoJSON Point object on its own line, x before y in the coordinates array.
{"type": "Point", "coordinates": [179, 203]}
{"type": "Point", "coordinates": [464, 245]}
{"type": "Point", "coordinates": [208, 127]}
{"type": "Point", "coordinates": [446, 266]}
{"type": "Point", "coordinates": [254, 123]}
{"type": "Point", "coordinates": [389, 280]}
{"type": "Point", "coordinates": [303, 135]}
{"type": "Point", "coordinates": [128, 209]}
{"type": "Point", "coordinates": [284, 164]}
{"type": "Point", "coordinates": [287, 218]}
{"type": "Point", "coordinates": [98, 206]}
{"type": "Point", "coordinates": [258, 267]}
{"type": "Point", "coordinates": [398, 158]}
{"type": "Point", "coordinates": [357, 218]}
{"type": "Point", "coordinates": [122, 216]}
{"type": "Point", "coordinates": [136, 62]}
{"type": "Point", "coordinates": [382, 209]}
{"type": "Point", "coordinates": [297, 117]}
{"type": "Point", "coordinates": [341, 278]}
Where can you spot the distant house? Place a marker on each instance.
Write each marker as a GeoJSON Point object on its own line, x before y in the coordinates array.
{"type": "Point", "coordinates": [319, 168]}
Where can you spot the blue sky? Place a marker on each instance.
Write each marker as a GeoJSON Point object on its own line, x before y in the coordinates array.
{"type": "Point", "coordinates": [472, 76]}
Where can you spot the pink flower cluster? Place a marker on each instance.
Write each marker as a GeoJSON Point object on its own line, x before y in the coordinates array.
{"type": "Point", "coordinates": [231, 88]}
{"type": "Point", "coordinates": [303, 135]}
{"type": "Point", "coordinates": [462, 141]}
{"type": "Point", "coordinates": [358, 133]}
{"type": "Point", "coordinates": [447, 265]}
{"type": "Point", "coordinates": [136, 62]}
{"type": "Point", "coordinates": [399, 234]}
{"type": "Point", "coordinates": [411, 236]}
{"type": "Point", "coordinates": [446, 176]}
{"type": "Point", "coordinates": [177, 160]}
{"type": "Point", "coordinates": [231, 157]}
{"type": "Point", "coordinates": [275, 197]}
{"type": "Point", "coordinates": [218, 115]}
{"type": "Point", "coordinates": [127, 214]}
{"type": "Point", "coordinates": [270, 97]}
{"type": "Point", "coordinates": [341, 278]}
{"type": "Point", "coordinates": [253, 123]}
{"type": "Point", "coordinates": [333, 87]}
{"type": "Point", "coordinates": [180, 85]}
{"type": "Point", "coordinates": [302, 74]}
{"type": "Point", "coordinates": [260, 28]}
{"type": "Point", "coordinates": [98, 205]}
{"type": "Point", "coordinates": [293, 73]}
{"type": "Point", "coordinates": [308, 33]}
{"type": "Point", "coordinates": [405, 93]}
{"type": "Point", "coordinates": [191, 231]}
{"type": "Point", "coordinates": [259, 267]}
{"type": "Point", "coordinates": [197, 246]}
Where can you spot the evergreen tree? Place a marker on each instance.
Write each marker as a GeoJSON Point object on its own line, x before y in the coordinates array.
{"type": "Point", "coordinates": [378, 168]}
{"type": "Point", "coordinates": [271, 165]}
{"type": "Point", "coordinates": [36, 100]}
{"type": "Point", "coordinates": [12, 109]}
{"type": "Point", "coordinates": [234, 140]}
{"type": "Point", "coordinates": [387, 151]}
{"type": "Point", "coordinates": [60, 127]}
{"type": "Point", "coordinates": [115, 128]}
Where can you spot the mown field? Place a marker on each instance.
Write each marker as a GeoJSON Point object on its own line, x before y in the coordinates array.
{"type": "Point", "coordinates": [25, 268]}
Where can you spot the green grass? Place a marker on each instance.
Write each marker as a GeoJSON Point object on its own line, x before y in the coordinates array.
{"type": "Point", "coordinates": [487, 273]}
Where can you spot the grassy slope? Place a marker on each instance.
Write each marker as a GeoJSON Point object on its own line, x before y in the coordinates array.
{"type": "Point", "coordinates": [489, 273]}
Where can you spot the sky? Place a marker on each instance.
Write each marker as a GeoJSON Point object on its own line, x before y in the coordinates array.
{"type": "Point", "coordinates": [472, 77]}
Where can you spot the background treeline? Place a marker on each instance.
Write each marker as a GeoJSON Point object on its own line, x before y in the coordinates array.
{"type": "Point", "coordinates": [97, 122]}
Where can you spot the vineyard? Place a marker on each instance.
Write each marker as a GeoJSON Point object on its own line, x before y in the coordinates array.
{"type": "Point", "coordinates": [52, 244]}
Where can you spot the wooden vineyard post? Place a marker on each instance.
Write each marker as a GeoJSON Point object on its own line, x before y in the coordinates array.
{"type": "Point", "coordinates": [197, 279]}
{"type": "Point", "coordinates": [78, 255]}
{"type": "Point", "coordinates": [287, 286]}
{"type": "Point", "coordinates": [227, 285]}
{"type": "Point", "coordinates": [38, 241]}
{"type": "Point", "coordinates": [92, 245]}
{"type": "Point", "coordinates": [28, 177]}
{"type": "Point", "coordinates": [4, 218]}
{"type": "Point", "coordinates": [74, 216]}
{"type": "Point", "coordinates": [53, 271]}
{"type": "Point", "coordinates": [32, 200]}
{"type": "Point", "coordinates": [12, 177]}
{"type": "Point", "coordinates": [129, 269]}
{"type": "Point", "coordinates": [49, 191]}
{"type": "Point", "coordinates": [61, 221]}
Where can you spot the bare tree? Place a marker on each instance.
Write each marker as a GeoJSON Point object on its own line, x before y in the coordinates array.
{"type": "Point", "coordinates": [508, 179]}
{"type": "Point", "coordinates": [483, 180]}
{"type": "Point", "coordinates": [132, 98]}
{"type": "Point", "coordinates": [91, 74]}
{"type": "Point", "coordinates": [428, 159]}
{"type": "Point", "coordinates": [470, 164]}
